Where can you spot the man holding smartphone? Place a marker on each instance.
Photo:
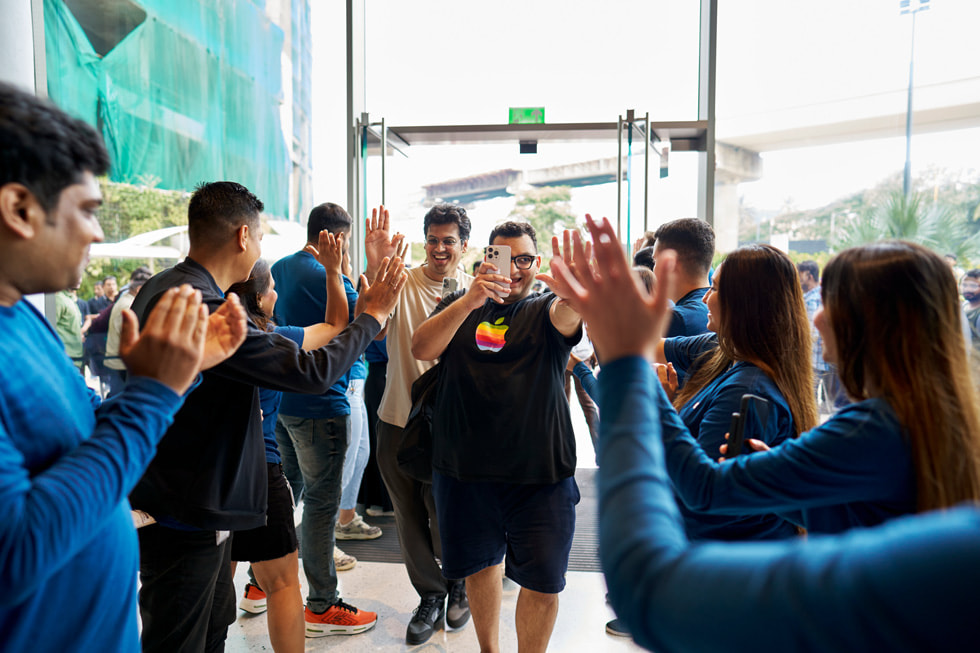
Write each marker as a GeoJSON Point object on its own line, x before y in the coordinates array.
{"type": "Point", "coordinates": [503, 446]}
{"type": "Point", "coordinates": [447, 229]}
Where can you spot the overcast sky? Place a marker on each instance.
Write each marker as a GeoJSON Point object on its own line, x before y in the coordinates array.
{"type": "Point", "coordinates": [450, 62]}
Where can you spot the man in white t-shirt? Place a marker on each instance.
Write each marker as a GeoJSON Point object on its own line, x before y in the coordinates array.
{"type": "Point", "coordinates": [113, 363]}
{"type": "Point", "coordinates": [447, 229]}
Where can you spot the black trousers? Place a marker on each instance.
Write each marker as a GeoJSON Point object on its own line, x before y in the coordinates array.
{"type": "Point", "coordinates": [187, 593]}
{"type": "Point", "coordinates": [373, 491]}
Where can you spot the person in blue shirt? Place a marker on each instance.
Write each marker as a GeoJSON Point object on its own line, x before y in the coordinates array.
{"type": "Point", "coordinates": [272, 548]}
{"type": "Point", "coordinates": [758, 343]}
{"type": "Point", "coordinates": [67, 461]}
{"type": "Point", "coordinates": [693, 242]}
{"type": "Point", "coordinates": [315, 430]}
{"type": "Point", "coordinates": [904, 586]}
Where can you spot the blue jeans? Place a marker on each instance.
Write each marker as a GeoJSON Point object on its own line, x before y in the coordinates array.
{"type": "Point", "coordinates": [359, 447]}
{"type": "Point", "coordinates": [320, 446]}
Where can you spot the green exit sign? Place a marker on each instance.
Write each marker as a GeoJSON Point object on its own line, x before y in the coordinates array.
{"type": "Point", "coordinates": [526, 116]}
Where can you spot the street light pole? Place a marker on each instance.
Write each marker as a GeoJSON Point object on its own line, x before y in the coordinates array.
{"type": "Point", "coordinates": [906, 8]}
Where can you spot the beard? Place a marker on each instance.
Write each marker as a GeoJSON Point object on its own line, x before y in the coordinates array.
{"type": "Point", "coordinates": [971, 296]}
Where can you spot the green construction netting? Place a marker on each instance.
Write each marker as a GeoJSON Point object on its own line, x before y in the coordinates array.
{"type": "Point", "coordinates": [186, 90]}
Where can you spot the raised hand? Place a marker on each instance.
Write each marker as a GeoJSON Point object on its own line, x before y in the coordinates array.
{"type": "Point", "coordinates": [226, 332]}
{"type": "Point", "coordinates": [623, 319]}
{"type": "Point", "coordinates": [378, 299]}
{"type": "Point", "coordinates": [378, 242]}
{"type": "Point", "coordinates": [565, 253]}
{"type": "Point", "coordinates": [329, 251]}
{"type": "Point", "coordinates": [171, 347]}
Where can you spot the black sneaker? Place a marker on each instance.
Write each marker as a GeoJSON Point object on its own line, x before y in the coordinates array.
{"type": "Point", "coordinates": [458, 609]}
{"type": "Point", "coordinates": [427, 618]}
{"type": "Point", "coordinates": [617, 628]}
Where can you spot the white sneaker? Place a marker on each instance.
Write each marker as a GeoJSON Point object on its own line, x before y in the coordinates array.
{"type": "Point", "coordinates": [356, 529]}
{"type": "Point", "coordinates": [378, 511]}
{"type": "Point", "coordinates": [342, 561]}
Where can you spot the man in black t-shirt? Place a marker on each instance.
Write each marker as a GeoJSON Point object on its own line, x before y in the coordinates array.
{"type": "Point", "coordinates": [503, 446]}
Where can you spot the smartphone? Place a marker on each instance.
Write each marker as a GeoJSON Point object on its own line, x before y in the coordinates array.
{"type": "Point", "coordinates": [448, 287]}
{"type": "Point", "coordinates": [751, 418]}
{"type": "Point", "coordinates": [499, 255]}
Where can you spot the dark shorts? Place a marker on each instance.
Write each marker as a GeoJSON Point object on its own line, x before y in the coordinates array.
{"type": "Point", "coordinates": [278, 536]}
{"type": "Point", "coordinates": [532, 525]}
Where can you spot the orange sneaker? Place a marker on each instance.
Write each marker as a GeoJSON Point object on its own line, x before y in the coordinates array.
{"type": "Point", "coordinates": [339, 619]}
{"type": "Point", "coordinates": [254, 600]}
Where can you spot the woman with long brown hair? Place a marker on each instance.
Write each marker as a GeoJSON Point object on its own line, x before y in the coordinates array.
{"type": "Point", "coordinates": [911, 440]}
{"type": "Point", "coordinates": [759, 345]}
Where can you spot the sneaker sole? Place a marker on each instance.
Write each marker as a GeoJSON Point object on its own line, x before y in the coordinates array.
{"type": "Point", "coordinates": [344, 567]}
{"type": "Point", "coordinates": [356, 536]}
{"type": "Point", "coordinates": [415, 641]}
{"type": "Point", "coordinates": [319, 630]}
{"type": "Point", "coordinates": [617, 633]}
{"type": "Point", "coordinates": [457, 623]}
{"type": "Point", "coordinates": [254, 606]}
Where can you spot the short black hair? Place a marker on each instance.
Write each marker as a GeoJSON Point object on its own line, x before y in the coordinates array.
{"type": "Point", "coordinates": [973, 274]}
{"type": "Point", "coordinates": [216, 211]}
{"type": "Point", "coordinates": [139, 276]}
{"type": "Point", "coordinates": [514, 229]}
{"type": "Point", "coordinates": [111, 276]}
{"type": "Point", "coordinates": [693, 240]}
{"type": "Point", "coordinates": [809, 267]}
{"type": "Point", "coordinates": [332, 217]}
{"type": "Point", "coordinates": [644, 257]}
{"type": "Point", "coordinates": [44, 148]}
{"type": "Point", "coordinates": [447, 214]}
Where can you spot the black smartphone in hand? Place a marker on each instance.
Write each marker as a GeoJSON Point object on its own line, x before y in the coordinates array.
{"type": "Point", "coordinates": [752, 411]}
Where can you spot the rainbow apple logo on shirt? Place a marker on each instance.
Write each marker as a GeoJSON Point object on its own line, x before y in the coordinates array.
{"type": "Point", "coordinates": [490, 337]}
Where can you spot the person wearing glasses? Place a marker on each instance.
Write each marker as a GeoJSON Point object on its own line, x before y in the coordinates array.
{"type": "Point", "coordinates": [442, 599]}
{"type": "Point", "coordinates": [503, 448]}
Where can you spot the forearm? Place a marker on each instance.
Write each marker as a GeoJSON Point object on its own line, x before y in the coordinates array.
{"type": "Point", "coordinates": [47, 517]}
{"type": "Point", "coordinates": [336, 312]}
{"type": "Point", "coordinates": [587, 378]}
{"type": "Point", "coordinates": [271, 361]}
{"type": "Point", "coordinates": [433, 336]}
{"type": "Point", "coordinates": [564, 318]}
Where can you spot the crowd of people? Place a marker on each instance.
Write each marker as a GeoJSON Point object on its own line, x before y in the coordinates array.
{"type": "Point", "coordinates": [240, 388]}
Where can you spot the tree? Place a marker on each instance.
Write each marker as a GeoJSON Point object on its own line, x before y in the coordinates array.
{"type": "Point", "coordinates": [909, 218]}
{"type": "Point", "coordinates": [548, 209]}
{"type": "Point", "coordinates": [129, 210]}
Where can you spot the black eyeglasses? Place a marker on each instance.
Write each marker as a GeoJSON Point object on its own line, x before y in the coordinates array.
{"type": "Point", "coordinates": [524, 262]}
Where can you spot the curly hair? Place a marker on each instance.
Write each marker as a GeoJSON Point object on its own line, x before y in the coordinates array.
{"type": "Point", "coordinates": [448, 214]}
{"type": "Point", "coordinates": [43, 148]}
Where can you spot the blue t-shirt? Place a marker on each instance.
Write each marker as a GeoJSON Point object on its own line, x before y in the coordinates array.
{"type": "Point", "coordinates": [269, 401]}
{"type": "Point", "coordinates": [690, 316]}
{"type": "Point", "coordinates": [302, 285]}
{"type": "Point", "coordinates": [377, 351]}
{"type": "Point", "coordinates": [708, 416]}
{"type": "Point", "coordinates": [66, 466]}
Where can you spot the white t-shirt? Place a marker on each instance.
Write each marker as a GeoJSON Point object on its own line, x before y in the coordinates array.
{"type": "Point", "coordinates": [417, 301]}
{"type": "Point", "coordinates": [115, 330]}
